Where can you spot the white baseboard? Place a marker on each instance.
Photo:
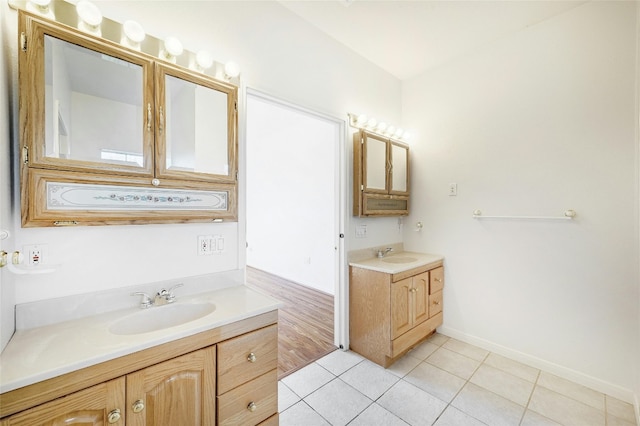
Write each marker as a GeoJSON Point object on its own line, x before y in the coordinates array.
{"type": "Point", "coordinates": [594, 383]}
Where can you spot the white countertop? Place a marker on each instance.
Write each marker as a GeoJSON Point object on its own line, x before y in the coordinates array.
{"type": "Point", "coordinates": [41, 353]}
{"type": "Point", "coordinates": [387, 265]}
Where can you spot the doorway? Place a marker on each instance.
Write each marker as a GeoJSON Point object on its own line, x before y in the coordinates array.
{"type": "Point", "coordinates": [295, 209]}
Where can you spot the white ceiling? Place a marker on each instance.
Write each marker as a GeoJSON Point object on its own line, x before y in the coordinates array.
{"type": "Point", "coordinates": [407, 38]}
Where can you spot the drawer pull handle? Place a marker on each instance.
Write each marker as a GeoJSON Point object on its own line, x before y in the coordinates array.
{"type": "Point", "coordinates": [138, 406]}
{"type": "Point", "coordinates": [252, 357]}
{"type": "Point", "coordinates": [252, 406]}
{"type": "Point", "coordinates": [114, 416]}
{"type": "Point", "coordinates": [436, 302]}
{"type": "Point", "coordinates": [438, 279]}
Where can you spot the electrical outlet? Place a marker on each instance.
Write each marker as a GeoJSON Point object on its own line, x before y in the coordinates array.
{"type": "Point", "coordinates": [453, 189]}
{"type": "Point", "coordinates": [36, 254]}
{"type": "Point", "coordinates": [205, 245]}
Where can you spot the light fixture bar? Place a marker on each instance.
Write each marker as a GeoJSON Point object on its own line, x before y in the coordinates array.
{"type": "Point", "coordinates": [370, 124]}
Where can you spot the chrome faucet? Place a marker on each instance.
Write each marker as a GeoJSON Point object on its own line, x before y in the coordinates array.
{"type": "Point", "coordinates": [162, 297]}
{"type": "Point", "coordinates": [382, 252]}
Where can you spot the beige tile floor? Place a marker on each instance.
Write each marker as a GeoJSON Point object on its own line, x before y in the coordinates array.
{"type": "Point", "coordinates": [441, 382]}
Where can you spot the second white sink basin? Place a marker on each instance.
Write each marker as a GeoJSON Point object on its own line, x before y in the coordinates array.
{"type": "Point", "coordinates": [157, 318]}
{"type": "Point", "coordinates": [399, 259]}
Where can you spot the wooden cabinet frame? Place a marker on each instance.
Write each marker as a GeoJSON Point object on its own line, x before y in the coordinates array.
{"type": "Point", "coordinates": [152, 181]}
{"type": "Point", "coordinates": [371, 200]}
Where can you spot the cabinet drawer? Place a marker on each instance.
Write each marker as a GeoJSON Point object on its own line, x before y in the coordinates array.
{"type": "Point", "coordinates": [250, 403]}
{"type": "Point", "coordinates": [436, 279]}
{"type": "Point", "coordinates": [435, 303]}
{"type": "Point", "coordinates": [271, 421]}
{"type": "Point", "coordinates": [246, 357]}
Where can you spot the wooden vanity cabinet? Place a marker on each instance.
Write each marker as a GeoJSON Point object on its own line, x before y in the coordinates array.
{"type": "Point", "coordinates": [110, 135]}
{"type": "Point", "coordinates": [391, 313]}
{"type": "Point", "coordinates": [381, 176]}
{"type": "Point", "coordinates": [233, 382]}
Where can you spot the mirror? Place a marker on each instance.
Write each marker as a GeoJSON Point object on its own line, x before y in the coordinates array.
{"type": "Point", "coordinates": [93, 105]}
{"type": "Point", "coordinates": [376, 164]}
{"type": "Point", "coordinates": [399, 156]}
{"type": "Point", "coordinates": [196, 135]}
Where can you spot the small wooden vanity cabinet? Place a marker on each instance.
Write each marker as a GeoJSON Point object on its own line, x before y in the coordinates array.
{"type": "Point", "coordinates": [391, 313]}
{"type": "Point", "coordinates": [231, 382]}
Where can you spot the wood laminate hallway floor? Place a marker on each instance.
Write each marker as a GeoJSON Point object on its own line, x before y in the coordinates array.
{"type": "Point", "coordinates": [305, 322]}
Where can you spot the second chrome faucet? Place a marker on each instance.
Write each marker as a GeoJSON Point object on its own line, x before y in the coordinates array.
{"type": "Point", "coordinates": [162, 297]}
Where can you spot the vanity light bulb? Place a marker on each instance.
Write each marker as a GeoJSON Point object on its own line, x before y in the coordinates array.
{"type": "Point", "coordinates": [406, 136]}
{"type": "Point", "coordinates": [89, 17]}
{"type": "Point", "coordinates": [372, 123]}
{"type": "Point", "coordinates": [391, 130]}
{"type": "Point", "coordinates": [382, 126]}
{"type": "Point", "coordinates": [204, 59]}
{"type": "Point", "coordinates": [361, 120]}
{"type": "Point", "coordinates": [399, 133]}
{"type": "Point", "coordinates": [40, 7]}
{"type": "Point", "coordinates": [173, 47]}
{"type": "Point", "coordinates": [231, 70]}
{"type": "Point", "coordinates": [133, 34]}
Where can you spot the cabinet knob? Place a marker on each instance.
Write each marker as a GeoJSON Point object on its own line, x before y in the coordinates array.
{"type": "Point", "coordinates": [252, 406]}
{"type": "Point", "coordinates": [114, 416]}
{"type": "Point", "coordinates": [252, 357]}
{"type": "Point", "coordinates": [438, 279]}
{"type": "Point", "coordinates": [138, 406]}
{"type": "Point", "coordinates": [155, 182]}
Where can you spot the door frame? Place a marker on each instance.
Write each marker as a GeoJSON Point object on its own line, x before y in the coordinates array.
{"type": "Point", "coordinates": [341, 293]}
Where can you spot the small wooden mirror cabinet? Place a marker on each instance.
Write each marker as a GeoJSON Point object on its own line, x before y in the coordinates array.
{"type": "Point", "coordinates": [111, 135]}
{"type": "Point", "coordinates": [381, 176]}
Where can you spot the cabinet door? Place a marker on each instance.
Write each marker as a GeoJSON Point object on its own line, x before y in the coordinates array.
{"type": "Point", "coordinates": [196, 126]}
{"type": "Point", "coordinates": [84, 104]}
{"type": "Point", "coordinates": [101, 405]}
{"type": "Point", "coordinates": [401, 311]}
{"type": "Point", "coordinates": [420, 298]}
{"type": "Point", "coordinates": [399, 169]}
{"type": "Point", "coordinates": [180, 391]}
{"type": "Point", "coordinates": [375, 164]}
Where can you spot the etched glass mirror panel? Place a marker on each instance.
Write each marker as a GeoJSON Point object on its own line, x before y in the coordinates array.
{"type": "Point", "coordinates": [376, 164]}
{"type": "Point", "coordinates": [197, 135]}
{"type": "Point", "coordinates": [93, 106]}
{"type": "Point", "coordinates": [399, 156]}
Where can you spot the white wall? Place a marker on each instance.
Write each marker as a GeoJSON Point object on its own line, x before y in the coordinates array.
{"type": "Point", "coordinates": [536, 123]}
{"type": "Point", "coordinates": [279, 54]}
{"type": "Point", "coordinates": [292, 199]}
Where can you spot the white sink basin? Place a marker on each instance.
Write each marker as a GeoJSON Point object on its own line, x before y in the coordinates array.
{"type": "Point", "coordinates": [157, 318]}
{"type": "Point", "coordinates": [399, 259]}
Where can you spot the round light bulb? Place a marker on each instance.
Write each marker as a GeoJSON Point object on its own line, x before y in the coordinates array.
{"type": "Point", "coordinates": [361, 120]}
{"type": "Point", "coordinates": [40, 7]}
{"type": "Point", "coordinates": [231, 69]}
{"type": "Point", "coordinates": [89, 14]}
{"type": "Point", "coordinates": [173, 46]}
{"type": "Point", "coordinates": [134, 31]}
{"type": "Point", "coordinates": [391, 130]}
{"type": "Point", "coordinates": [372, 122]}
{"type": "Point", "coordinates": [382, 126]}
{"type": "Point", "coordinates": [204, 59]}
{"type": "Point", "coordinates": [406, 136]}
{"type": "Point", "coordinates": [398, 134]}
